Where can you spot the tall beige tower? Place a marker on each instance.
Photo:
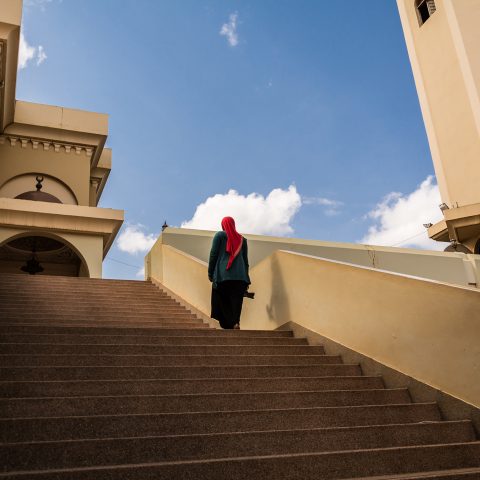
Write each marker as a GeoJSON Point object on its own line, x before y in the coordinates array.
{"type": "Point", "coordinates": [443, 41]}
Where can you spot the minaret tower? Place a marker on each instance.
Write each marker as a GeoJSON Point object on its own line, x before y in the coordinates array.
{"type": "Point", "coordinates": [443, 42]}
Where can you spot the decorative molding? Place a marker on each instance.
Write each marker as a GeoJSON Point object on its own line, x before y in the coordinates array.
{"type": "Point", "coordinates": [95, 182]}
{"type": "Point", "coordinates": [56, 146]}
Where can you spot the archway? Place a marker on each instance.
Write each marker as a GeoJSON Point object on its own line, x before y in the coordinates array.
{"type": "Point", "coordinates": [40, 254]}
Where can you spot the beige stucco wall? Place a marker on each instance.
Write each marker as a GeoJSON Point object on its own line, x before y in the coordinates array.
{"type": "Point", "coordinates": [422, 328]}
{"type": "Point", "coordinates": [446, 67]}
{"type": "Point", "coordinates": [11, 12]}
{"type": "Point", "coordinates": [27, 182]}
{"type": "Point", "coordinates": [71, 169]}
{"type": "Point", "coordinates": [53, 116]}
{"type": "Point", "coordinates": [103, 222]}
{"type": "Point", "coordinates": [185, 275]}
{"type": "Point", "coordinates": [88, 247]}
{"type": "Point", "coordinates": [10, 19]}
{"type": "Point", "coordinates": [466, 33]}
{"type": "Point", "coordinates": [442, 266]}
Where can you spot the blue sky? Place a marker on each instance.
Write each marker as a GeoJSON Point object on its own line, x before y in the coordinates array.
{"type": "Point", "coordinates": [311, 99]}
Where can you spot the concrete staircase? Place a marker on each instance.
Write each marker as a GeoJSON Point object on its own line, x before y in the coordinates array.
{"type": "Point", "coordinates": [106, 379]}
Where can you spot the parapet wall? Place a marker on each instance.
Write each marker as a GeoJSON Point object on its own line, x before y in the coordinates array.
{"type": "Point", "coordinates": [455, 268]}
{"type": "Point", "coordinates": [424, 329]}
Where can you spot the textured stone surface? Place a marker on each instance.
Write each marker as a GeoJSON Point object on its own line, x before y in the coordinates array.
{"type": "Point", "coordinates": [106, 379]}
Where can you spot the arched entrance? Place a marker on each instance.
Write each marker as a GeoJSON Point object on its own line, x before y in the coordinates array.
{"type": "Point", "coordinates": [40, 255]}
{"type": "Point", "coordinates": [477, 247]}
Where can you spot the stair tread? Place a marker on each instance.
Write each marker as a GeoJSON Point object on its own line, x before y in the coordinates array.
{"type": "Point", "coordinates": [257, 460]}
{"type": "Point", "coordinates": [153, 375]}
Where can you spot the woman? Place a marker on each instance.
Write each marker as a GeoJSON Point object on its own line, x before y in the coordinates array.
{"type": "Point", "coordinates": [228, 272]}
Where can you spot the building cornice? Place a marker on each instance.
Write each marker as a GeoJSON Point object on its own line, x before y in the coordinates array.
{"type": "Point", "coordinates": [42, 216]}
{"type": "Point", "coordinates": [48, 144]}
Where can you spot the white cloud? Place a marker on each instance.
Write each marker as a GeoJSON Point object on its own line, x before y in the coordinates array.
{"type": "Point", "coordinates": [41, 55]}
{"type": "Point", "coordinates": [133, 240]}
{"type": "Point", "coordinates": [25, 52]}
{"type": "Point", "coordinates": [331, 207]}
{"type": "Point", "coordinates": [141, 273]}
{"type": "Point", "coordinates": [28, 53]}
{"type": "Point", "coordinates": [253, 213]}
{"type": "Point", "coordinates": [398, 219]}
{"type": "Point", "coordinates": [229, 30]}
{"type": "Point", "coordinates": [37, 3]}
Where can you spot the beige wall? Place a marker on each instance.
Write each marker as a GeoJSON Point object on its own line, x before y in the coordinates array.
{"type": "Point", "coordinates": [446, 267]}
{"type": "Point", "coordinates": [424, 329]}
{"type": "Point", "coordinates": [10, 19]}
{"type": "Point", "coordinates": [88, 247]}
{"type": "Point", "coordinates": [11, 12]}
{"type": "Point", "coordinates": [97, 226]}
{"type": "Point", "coordinates": [185, 275]}
{"type": "Point", "coordinates": [27, 183]}
{"type": "Point", "coordinates": [466, 33]}
{"type": "Point", "coordinates": [421, 328]}
{"type": "Point", "coordinates": [71, 169]}
{"type": "Point", "coordinates": [446, 66]}
{"type": "Point", "coordinates": [69, 119]}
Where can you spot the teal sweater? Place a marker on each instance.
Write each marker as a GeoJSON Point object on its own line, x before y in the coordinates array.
{"type": "Point", "coordinates": [217, 264]}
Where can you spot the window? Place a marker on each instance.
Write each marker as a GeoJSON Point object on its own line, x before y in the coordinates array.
{"type": "Point", "coordinates": [425, 9]}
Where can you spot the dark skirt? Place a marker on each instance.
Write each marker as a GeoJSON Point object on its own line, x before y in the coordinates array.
{"type": "Point", "coordinates": [227, 301]}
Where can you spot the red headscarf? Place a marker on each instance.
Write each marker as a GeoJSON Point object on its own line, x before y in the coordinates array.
{"type": "Point", "coordinates": [234, 239]}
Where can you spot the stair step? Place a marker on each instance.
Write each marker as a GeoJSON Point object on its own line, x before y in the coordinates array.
{"type": "Point", "coordinates": [332, 465]}
{"type": "Point", "coordinates": [81, 302]}
{"type": "Point", "coordinates": [84, 289]}
{"type": "Point", "coordinates": [66, 286]}
{"type": "Point", "coordinates": [450, 474]}
{"type": "Point", "coordinates": [164, 360]}
{"type": "Point", "coordinates": [108, 379]}
{"type": "Point", "coordinates": [134, 404]}
{"type": "Point", "coordinates": [128, 314]}
{"type": "Point", "coordinates": [100, 286]}
{"type": "Point", "coordinates": [11, 298]}
{"type": "Point", "coordinates": [63, 287]}
{"type": "Point", "coordinates": [101, 452]}
{"type": "Point", "coordinates": [89, 319]}
{"type": "Point", "coordinates": [17, 389]}
{"type": "Point", "coordinates": [138, 349]}
{"type": "Point", "coordinates": [113, 298]}
{"type": "Point", "coordinates": [148, 325]}
{"type": "Point", "coordinates": [126, 373]}
{"type": "Point", "coordinates": [99, 330]}
{"type": "Point", "coordinates": [48, 308]}
{"type": "Point", "coordinates": [22, 277]}
{"type": "Point", "coordinates": [186, 339]}
{"type": "Point", "coordinates": [117, 426]}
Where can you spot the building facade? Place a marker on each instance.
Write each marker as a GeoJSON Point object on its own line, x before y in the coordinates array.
{"type": "Point", "coordinates": [443, 41]}
{"type": "Point", "coordinates": [53, 168]}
